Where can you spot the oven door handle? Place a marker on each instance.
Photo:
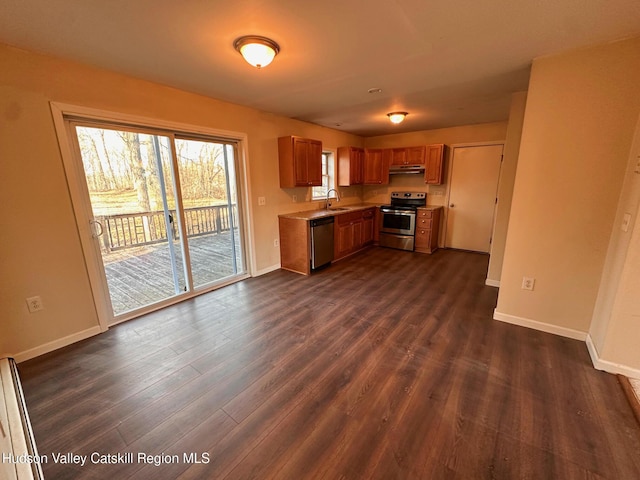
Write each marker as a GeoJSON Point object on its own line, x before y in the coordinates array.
{"type": "Point", "coordinates": [399, 212]}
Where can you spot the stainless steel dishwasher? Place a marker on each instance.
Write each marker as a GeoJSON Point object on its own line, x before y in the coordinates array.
{"type": "Point", "coordinates": [321, 242]}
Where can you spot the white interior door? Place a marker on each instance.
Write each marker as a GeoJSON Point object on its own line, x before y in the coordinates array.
{"type": "Point", "coordinates": [475, 171]}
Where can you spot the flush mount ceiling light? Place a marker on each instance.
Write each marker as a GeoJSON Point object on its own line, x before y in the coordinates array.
{"type": "Point", "coordinates": [257, 51]}
{"type": "Point", "coordinates": [397, 117]}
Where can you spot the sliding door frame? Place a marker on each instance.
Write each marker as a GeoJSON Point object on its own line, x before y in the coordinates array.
{"type": "Point", "coordinates": [62, 113]}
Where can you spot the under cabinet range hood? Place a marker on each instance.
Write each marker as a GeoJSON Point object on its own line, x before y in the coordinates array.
{"type": "Point", "coordinates": [406, 169]}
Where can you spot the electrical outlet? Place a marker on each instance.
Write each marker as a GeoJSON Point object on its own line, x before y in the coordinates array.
{"type": "Point", "coordinates": [262, 201]}
{"type": "Point", "coordinates": [34, 304]}
{"type": "Point", "coordinates": [295, 198]}
{"type": "Point", "coordinates": [528, 283]}
{"type": "Point", "coordinates": [626, 221]}
{"type": "Point", "coordinates": [276, 243]}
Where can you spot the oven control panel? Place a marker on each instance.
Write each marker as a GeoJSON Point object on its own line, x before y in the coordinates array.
{"type": "Point", "coordinates": [409, 195]}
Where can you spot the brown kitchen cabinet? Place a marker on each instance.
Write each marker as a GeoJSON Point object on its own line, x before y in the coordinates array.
{"type": "Point", "coordinates": [434, 169]}
{"type": "Point", "coordinates": [353, 231]}
{"type": "Point", "coordinates": [350, 166]}
{"type": "Point", "coordinates": [300, 162]}
{"type": "Point", "coordinates": [416, 155]}
{"type": "Point", "coordinates": [295, 241]}
{"type": "Point", "coordinates": [408, 155]}
{"type": "Point", "coordinates": [368, 226]}
{"type": "Point", "coordinates": [399, 156]}
{"type": "Point", "coordinates": [427, 229]}
{"type": "Point", "coordinates": [376, 166]}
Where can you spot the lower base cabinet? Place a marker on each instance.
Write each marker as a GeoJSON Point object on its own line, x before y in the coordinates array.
{"type": "Point", "coordinates": [427, 229]}
{"type": "Point", "coordinates": [353, 231]}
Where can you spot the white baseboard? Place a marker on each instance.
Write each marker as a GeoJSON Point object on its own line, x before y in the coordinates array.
{"type": "Point", "coordinates": [492, 283]}
{"type": "Point", "coordinates": [56, 344]}
{"type": "Point", "coordinates": [544, 327]}
{"type": "Point", "coordinates": [264, 271]}
{"type": "Point", "coordinates": [607, 366]}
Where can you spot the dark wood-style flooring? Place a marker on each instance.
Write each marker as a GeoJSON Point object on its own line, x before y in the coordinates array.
{"type": "Point", "coordinates": [386, 365]}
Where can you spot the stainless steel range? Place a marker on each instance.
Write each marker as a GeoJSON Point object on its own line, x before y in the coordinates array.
{"type": "Point", "coordinates": [398, 225]}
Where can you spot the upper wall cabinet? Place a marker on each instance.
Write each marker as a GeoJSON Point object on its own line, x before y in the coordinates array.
{"type": "Point", "coordinates": [376, 166]}
{"type": "Point", "coordinates": [408, 155]}
{"type": "Point", "coordinates": [416, 155]}
{"type": "Point", "coordinates": [434, 168]}
{"type": "Point", "coordinates": [300, 162]}
{"type": "Point", "coordinates": [371, 165]}
{"type": "Point", "coordinates": [350, 166]}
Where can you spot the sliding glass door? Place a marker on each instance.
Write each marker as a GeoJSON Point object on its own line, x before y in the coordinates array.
{"type": "Point", "coordinates": [165, 213]}
{"type": "Point", "coordinates": [209, 193]}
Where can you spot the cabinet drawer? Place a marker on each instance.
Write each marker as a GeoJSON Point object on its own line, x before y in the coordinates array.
{"type": "Point", "coordinates": [422, 237]}
{"type": "Point", "coordinates": [348, 217]}
{"type": "Point", "coordinates": [424, 223]}
{"type": "Point", "coordinates": [425, 213]}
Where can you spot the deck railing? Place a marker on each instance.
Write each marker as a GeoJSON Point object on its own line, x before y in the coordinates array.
{"type": "Point", "coordinates": [146, 228]}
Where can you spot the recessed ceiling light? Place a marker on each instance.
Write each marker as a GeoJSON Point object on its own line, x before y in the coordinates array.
{"type": "Point", "coordinates": [374, 90]}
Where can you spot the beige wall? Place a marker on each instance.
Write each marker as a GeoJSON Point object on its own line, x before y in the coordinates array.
{"type": "Point", "coordinates": [615, 327]}
{"type": "Point", "coordinates": [581, 111]}
{"type": "Point", "coordinates": [39, 243]}
{"type": "Point", "coordinates": [505, 186]}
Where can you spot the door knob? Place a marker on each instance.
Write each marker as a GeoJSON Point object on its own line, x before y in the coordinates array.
{"type": "Point", "coordinates": [451, 205]}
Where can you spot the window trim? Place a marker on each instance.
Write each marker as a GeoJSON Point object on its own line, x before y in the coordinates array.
{"type": "Point", "coordinates": [331, 176]}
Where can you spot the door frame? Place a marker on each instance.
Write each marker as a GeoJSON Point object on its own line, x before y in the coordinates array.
{"type": "Point", "coordinates": [449, 175]}
{"type": "Point", "coordinates": [78, 191]}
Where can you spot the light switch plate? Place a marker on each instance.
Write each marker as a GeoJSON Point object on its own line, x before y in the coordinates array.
{"type": "Point", "coordinates": [626, 221]}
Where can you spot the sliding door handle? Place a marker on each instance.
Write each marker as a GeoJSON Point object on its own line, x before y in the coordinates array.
{"type": "Point", "coordinates": [95, 233]}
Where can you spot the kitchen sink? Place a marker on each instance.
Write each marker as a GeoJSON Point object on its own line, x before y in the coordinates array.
{"type": "Point", "coordinates": [333, 209]}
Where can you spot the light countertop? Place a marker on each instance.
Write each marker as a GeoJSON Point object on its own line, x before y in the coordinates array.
{"type": "Point", "coordinates": [337, 210]}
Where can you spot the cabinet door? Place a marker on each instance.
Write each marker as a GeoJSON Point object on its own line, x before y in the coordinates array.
{"type": "Point", "coordinates": [399, 156]}
{"type": "Point", "coordinates": [314, 163]}
{"type": "Point", "coordinates": [368, 222]}
{"type": "Point", "coordinates": [434, 171]}
{"type": "Point", "coordinates": [358, 166]}
{"type": "Point", "coordinates": [350, 165]}
{"type": "Point", "coordinates": [374, 167]}
{"type": "Point", "coordinates": [416, 155]}
{"type": "Point", "coordinates": [343, 238]}
{"type": "Point", "coordinates": [300, 148]}
{"type": "Point", "coordinates": [357, 234]}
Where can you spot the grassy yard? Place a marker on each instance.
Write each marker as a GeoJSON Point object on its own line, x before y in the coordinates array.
{"type": "Point", "coordinates": [126, 201]}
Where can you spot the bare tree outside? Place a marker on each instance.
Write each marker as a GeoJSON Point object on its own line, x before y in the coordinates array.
{"type": "Point", "coordinates": [122, 172]}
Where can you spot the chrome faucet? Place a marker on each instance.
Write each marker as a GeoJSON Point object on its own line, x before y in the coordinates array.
{"type": "Point", "coordinates": [337, 197]}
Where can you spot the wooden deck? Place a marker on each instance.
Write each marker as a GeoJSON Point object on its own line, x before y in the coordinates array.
{"type": "Point", "coordinates": [139, 276]}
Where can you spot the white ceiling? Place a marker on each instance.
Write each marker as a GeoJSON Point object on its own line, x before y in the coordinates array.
{"type": "Point", "coordinates": [447, 63]}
